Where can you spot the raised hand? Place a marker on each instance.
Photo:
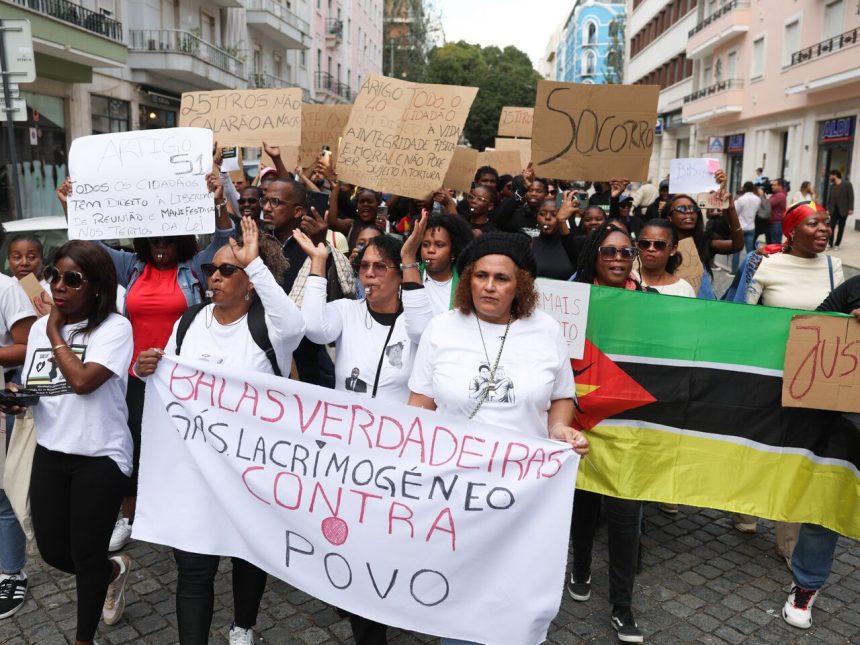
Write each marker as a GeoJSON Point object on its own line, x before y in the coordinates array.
{"type": "Point", "coordinates": [409, 250]}
{"type": "Point", "coordinates": [618, 186]}
{"type": "Point", "coordinates": [213, 183]}
{"type": "Point", "coordinates": [313, 251]}
{"type": "Point", "coordinates": [251, 243]}
{"type": "Point", "coordinates": [273, 151]}
{"type": "Point", "coordinates": [314, 226]}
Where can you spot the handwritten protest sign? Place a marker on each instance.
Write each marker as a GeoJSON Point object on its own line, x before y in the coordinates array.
{"type": "Point", "coordinates": [690, 268]}
{"type": "Point", "coordinates": [246, 117]}
{"type": "Point", "coordinates": [506, 162]}
{"type": "Point", "coordinates": [516, 122]}
{"type": "Point", "coordinates": [693, 176]}
{"type": "Point", "coordinates": [567, 302]}
{"type": "Point", "coordinates": [712, 200]}
{"type": "Point", "coordinates": [322, 125]}
{"type": "Point", "coordinates": [398, 514]}
{"type": "Point", "coordinates": [523, 146]}
{"type": "Point", "coordinates": [141, 184]}
{"type": "Point", "coordinates": [593, 132]}
{"type": "Point", "coordinates": [461, 170]}
{"type": "Point", "coordinates": [821, 364]}
{"type": "Point", "coordinates": [401, 136]}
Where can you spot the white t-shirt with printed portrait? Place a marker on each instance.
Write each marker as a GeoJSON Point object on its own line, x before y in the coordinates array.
{"type": "Point", "coordinates": [94, 424]}
{"type": "Point", "coordinates": [453, 368]}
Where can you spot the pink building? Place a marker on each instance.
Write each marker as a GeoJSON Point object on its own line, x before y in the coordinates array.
{"type": "Point", "coordinates": [776, 85]}
{"type": "Point", "coordinates": [346, 47]}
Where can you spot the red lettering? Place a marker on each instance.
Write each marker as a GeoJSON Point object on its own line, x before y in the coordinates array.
{"type": "Point", "coordinates": [400, 518]}
{"type": "Point", "coordinates": [298, 490]}
{"type": "Point", "coordinates": [416, 423]}
{"type": "Point", "coordinates": [254, 397]}
{"type": "Point", "coordinates": [538, 457]}
{"type": "Point", "coordinates": [510, 460]}
{"type": "Point", "coordinates": [442, 462]}
{"type": "Point", "coordinates": [203, 383]}
{"type": "Point", "coordinates": [437, 526]}
{"type": "Point", "coordinates": [319, 490]}
{"type": "Point", "coordinates": [327, 417]}
{"type": "Point", "coordinates": [304, 426]}
{"type": "Point", "coordinates": [380, 430]}
{"type": "Point", "coordinates": [363, 426]}
{"type": "Point", "coordinates": [251, 469]}
{"type": "Point", "coordinates": [270, 395]}
{"type": "Point", "coordinates": [174, 379]}
{"type": "Point", "coordinates": [552, 458]}
{"type": "Point", "coordinates": [463, 451]}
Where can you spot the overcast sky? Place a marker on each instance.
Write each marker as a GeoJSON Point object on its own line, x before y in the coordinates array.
{"type": "Point", "coordinates": [525, 25]}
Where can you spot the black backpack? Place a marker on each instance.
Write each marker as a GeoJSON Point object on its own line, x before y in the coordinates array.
{"type": "Point", "coordinates": [256, 325]}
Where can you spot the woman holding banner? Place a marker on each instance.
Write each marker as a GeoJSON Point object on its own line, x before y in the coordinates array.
{"type": "Point", "coordinates": [520, 379]}
{"type": "Point", "coordinates": [246, 300]}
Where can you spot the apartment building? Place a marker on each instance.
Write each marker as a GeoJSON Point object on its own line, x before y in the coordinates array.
{"type": "Point", "coordinates": [776, 86]}
{"type": "Point", "coordinates": [120, 65]}
{"type": "Point", "coordinates": [657, 32]}
{"type": "Point", "coordinates": [590, 48]}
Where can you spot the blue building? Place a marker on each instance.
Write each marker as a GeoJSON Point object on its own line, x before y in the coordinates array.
{"type": "Point", "coordinates": [592, 43]}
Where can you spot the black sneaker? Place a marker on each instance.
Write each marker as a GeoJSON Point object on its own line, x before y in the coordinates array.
{"type": "Point", "coordinates": [625, 625]}
{"type": "Point", "coordinates": [579, 591]}
{"type": "Point", "coordinates": [13, 591]}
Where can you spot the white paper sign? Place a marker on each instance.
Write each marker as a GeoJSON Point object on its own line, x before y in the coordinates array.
{"type": "Point", "coordinates": [567, 302]}
{"type": "Point", "coordinates": [399, 514]}
{"type": "Point", "coordinates": [693, 176]}
{"type": "Point", "coordinates": [141, 184]}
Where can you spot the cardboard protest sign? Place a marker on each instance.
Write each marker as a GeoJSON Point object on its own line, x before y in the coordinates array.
{"type": "Point", "coordinates": [395, 513]}
{"type": "Point", "coordinates": [593, 132]}
{"type": "Point", "coordinates": [246, 117]}
{"type": "Point", "coordinates": [401, 136]}
{"type": "Point", "coordinates": [516, 122]}
{"type": "Point", "coordinates": [523, 146]}
{"type": "Point", "coordinates": [141, 184]}
{"type": "Point", "coordinates": [506, 162]}
{"type": "Point", "coordinates": [690, 268]}
{"type": "Point", "coordinates": [31, 286]}
{"type": "Point", "coordinates": [461, 170]}
{"type": "Point", "coordinates": [322, 125]}
{"type": "Point", "coordinates": [693, 176]}
{"type": "Point", "coordinates": [821, 366]}
{"type": "Point", "coordinates": [712, 200]}
{"type": "Point", "coordinates": [567, 302]}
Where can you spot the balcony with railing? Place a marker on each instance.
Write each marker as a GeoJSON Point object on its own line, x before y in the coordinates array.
{"type": "Point", "coordinates": [278, 21]}
{"type": "Point", "coordinates": [722, 98]}
{"type": "Point", "coordinates": [828, 64]}
{"type": "Point", "coordinates": [728, 21]}
{"type": "Point", "coordinates": [328, 86]}
{"type": "Point", "coordinates": [263, 80]}
{"type": "Point", "coordinates": [70, 32]}
{"type": "Point", "coordinates": [333, 32]}
{"type": "Point", "coordinates": [180, 58]}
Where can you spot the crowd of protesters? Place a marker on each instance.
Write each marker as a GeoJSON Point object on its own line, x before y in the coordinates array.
{"type": "Point", "coordinates": [410, 294]}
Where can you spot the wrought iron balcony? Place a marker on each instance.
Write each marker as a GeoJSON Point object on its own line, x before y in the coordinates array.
{"type": "Point", "coordinates": [716, 88]}
{"type": "Point", "coordinates": [74, 14]}
{"type": "Point", "coordinates": [825, 47]}
{"type": "Point", "coordinates": [184, 42]}
{"type": "Point", "coordinates": [328, 83]}
{"type": "Point", "coordinates": [719, 13]}
{"type": "Point", "coordinates": [260, 80]}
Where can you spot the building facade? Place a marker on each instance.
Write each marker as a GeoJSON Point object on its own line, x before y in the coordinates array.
{"type": "Point", "coordinates": [776, 85]}
{"type": "Point", "coordinates": [591, 45]}
{"type": "Point", "coordinates": [121, 65]}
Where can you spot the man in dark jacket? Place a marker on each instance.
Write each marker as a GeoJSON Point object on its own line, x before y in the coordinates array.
{"type": "Point", "coordinates": [840, 205]}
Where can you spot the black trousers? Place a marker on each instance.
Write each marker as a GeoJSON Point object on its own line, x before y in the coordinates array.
{"type": "Point", "coordinates": [195, 594]}
{"type": "Point", "coordinates": [838, 225]}
{"type": "Point", "coordinates": [623, 519]}
{"type": "Point", "coordinates": [134, 397]}
{"type": "Point", "coordinates": [368, 632]}
{"type": "Point", "coordinates": [73, 504]}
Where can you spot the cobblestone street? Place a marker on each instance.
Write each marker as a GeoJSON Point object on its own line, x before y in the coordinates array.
{"type": "Point", "coordinates": [702, 582]}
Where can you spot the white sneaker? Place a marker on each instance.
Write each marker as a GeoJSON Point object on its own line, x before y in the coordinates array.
{"type": "Point", "coordinates": [239, 636]}
{"type": "Point", "coordinates": [115, 599]}
{"type": "Point", "coordinates": [797, 610]}
{"type": "Point", "coordinates": [120, 536]}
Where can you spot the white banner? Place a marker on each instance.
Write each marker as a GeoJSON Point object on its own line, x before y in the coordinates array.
{"type": "Point", "coordinates": [567, 302]}
{"type": "Point", "coordinates": [395, 513]}
{"type": "Point", "coordinates": [147, 183]}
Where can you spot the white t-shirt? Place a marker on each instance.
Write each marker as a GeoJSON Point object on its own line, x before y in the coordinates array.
{"type": "Point", "coordinates": [14, 306]}
{"type": "Point", "coordinates": [784, 280]}
{"type": "Point", "coordinates": [94, 424]}
{"type": "Point", "coordinates": [679, 288]}
{"type": "Point", "coordinates": [439, 293]}
{"type": "Point", "coordinates": [452, 368]}
{"type": "Point", "coordinates": [746, 206]}
{"type": "Point", "coordinates": [232, 344]}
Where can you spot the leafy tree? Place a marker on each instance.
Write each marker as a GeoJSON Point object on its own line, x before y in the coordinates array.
{"type": "Point", "coordinates": [503, 76]}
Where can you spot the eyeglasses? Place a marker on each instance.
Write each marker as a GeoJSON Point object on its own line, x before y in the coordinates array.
{"type": "Point", "coordinates": [72, 279]}
{"type": "Point", "coordinates": [376, 267]}
{"type": "Point", "coordinates": [684, 208]}
{"type": "Point", "coordinates": [250, 200]}
{"type": "Point", "coordinates": [225, 269]}
{"type": "Point", "coordinates": [276, 201]}
{"type": "Point", "coordinates": [612, 252]}
{"type": "Point", "coordinates": [657, 245]}
{"type": "Point", "coordinates": [483, 200]}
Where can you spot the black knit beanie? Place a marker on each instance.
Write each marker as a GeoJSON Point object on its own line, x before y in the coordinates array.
{"type": "Point", "coordinates": [516, 246]}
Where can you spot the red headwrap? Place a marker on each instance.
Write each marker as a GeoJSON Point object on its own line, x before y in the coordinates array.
{"type": "Point", "coordinates": [796, 213]}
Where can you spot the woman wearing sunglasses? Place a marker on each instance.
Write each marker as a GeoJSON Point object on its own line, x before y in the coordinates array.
{"type": "Point", "coordinates": [658, 259]}
{"type": "Point", "coordinates": [162, 278]}
{"type": "Point", "coordinates": [607, 260]}
{"type": "Point", "coordinates": [77, 364]}
{"type": "Point", "coordinates": [239, 279]}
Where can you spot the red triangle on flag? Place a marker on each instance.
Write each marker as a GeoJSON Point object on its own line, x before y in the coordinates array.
{"type": "Point", "coordinates": [603, 389]}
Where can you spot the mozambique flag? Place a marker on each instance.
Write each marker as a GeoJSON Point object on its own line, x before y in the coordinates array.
{"type": "Point", "coordinates": [681, 399]}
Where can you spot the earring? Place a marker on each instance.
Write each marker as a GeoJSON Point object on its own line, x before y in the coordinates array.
{"type": "Point", "coordinates": [247, 295]}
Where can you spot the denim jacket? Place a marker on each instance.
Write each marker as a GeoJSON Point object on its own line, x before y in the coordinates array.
{"type": "Point", "coordinates": [129, 267]}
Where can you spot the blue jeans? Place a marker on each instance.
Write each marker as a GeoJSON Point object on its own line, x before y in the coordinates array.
{"type": "Point", "coordinates": [774, 233]}
{"type": "Point", "coordinates": [749, 246]}
{"type": "Point", "coordinates": [13, 542]}
{"type": "Point", "coordinates": [813, 556]}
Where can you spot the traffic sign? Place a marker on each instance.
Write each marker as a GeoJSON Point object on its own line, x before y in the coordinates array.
{"type": "Point", "coordinates": [17, 111]}
{"type": "Point", "coordinates": [20, 60]}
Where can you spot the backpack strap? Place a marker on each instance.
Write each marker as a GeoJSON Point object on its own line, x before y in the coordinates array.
{"type": "Point", "coordinates": [185, 322]}
{"type": "Point", "coordinates": [260, 333]}
{"type": "Point", "coordinates": [830, 271]}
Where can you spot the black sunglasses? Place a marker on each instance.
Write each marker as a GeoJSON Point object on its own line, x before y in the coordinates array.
{"type": "Point", "coordinates": [612, 252]}
{"type": "Point", "coordinates": [684, 208]}
{"type": "Point", "coordinates": [72, 279]}
{"type": "Point", "coordinates": [644, 245]}
{"type": "Point", "coordinates": [248, 200]}
{"type": "Point", "coordinates": [225, 269]}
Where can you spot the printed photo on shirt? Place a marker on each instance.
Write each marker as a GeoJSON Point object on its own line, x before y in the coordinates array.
{"type": "Point", "coordinates": [45, 376]}
{"type": "Point", "coordinates": [498, 389]}
{"type": "Point", "coordinates": [354, 383]}
{"type": "Point", "coordinates": [395, 354]}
